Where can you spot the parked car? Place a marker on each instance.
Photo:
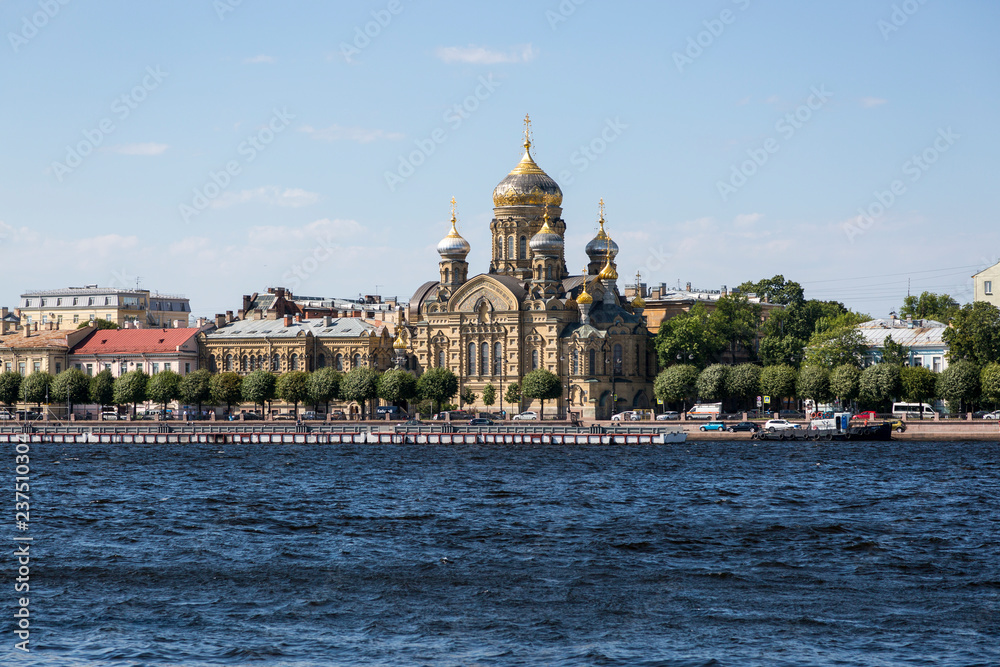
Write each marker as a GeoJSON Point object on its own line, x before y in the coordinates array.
{"type": "Point", "coordinates": [992, 415]}
{"type": "Point", "coordinates": [773, 425]}
{"type": "Point", "coordinates": [28, 415]}
{"type": "Point", "coordinates": [627, 415]}
{"type": "Point", "coordinates": [480, 421]}
{"type": "Point", "coordinates": [898, 425]}
{"type": "Point", "coordinates": [743, 426]}
{"type": "Point", "coordinates": [109, 416]}
{"type": "Point", "coordinates": [669, 415]}
{"type": "Point", "coordinates": [338, 414]}
{"type": "Point", "coordinates": [310, 415]}
{"type": "Point", "coordinates": [713, 426]}
{"type": "Point", "coordinates": [527, 415]}
{"type": "Point", "coordinates": [869, 415]}
{"type": "Point", "coordinates": [791, 414]}
{"type": "Point", "coordinates": [4, 414]}
{"type": "Point", "coordinates": [412, 422]}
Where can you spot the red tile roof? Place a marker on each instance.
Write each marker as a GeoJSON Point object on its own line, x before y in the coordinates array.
{"type": "Point", "coordinates": [133, 341]}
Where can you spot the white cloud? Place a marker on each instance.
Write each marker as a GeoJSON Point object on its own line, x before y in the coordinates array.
{"type": "Point", "coordinates": [147, 149]}
{"type": "Point", "coordinates": [869, 102]}
{"type": "Point", "coordinates": [479, 55]}
{"type": "Point", "coordinates": [257, 60]}
{"type": "Point", "coordinates": [744, 220]}
{"type": "Point", "coordinates": [268, 194]}
{"type": "Point", "coordinates": [358, 134]}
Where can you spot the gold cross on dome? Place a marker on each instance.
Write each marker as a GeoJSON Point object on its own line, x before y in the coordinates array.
{"type": "Point", "coordinates": [527, 132]}
{"type": "Point", "coordinates": [453, 208]}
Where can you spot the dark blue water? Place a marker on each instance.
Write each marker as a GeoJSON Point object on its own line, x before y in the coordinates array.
{"type": "Point", "coordinates": [702, 554]}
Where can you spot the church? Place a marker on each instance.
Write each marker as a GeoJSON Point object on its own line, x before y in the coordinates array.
{"type": "Point", "coordinates": [527, 311]}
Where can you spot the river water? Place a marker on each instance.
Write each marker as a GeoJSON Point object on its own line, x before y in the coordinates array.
{"type": "Point", "coordinates": [728, 553]}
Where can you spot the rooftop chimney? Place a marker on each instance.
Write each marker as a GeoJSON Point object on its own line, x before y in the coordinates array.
{"type": "Point", "coordinates": [288, 320]}
{"type": "Point", "coordinates": [724, 291]}
{"type": "Point", "coordinates": [229, 316]}
{"type": "Point", "coordinates": [328, 321]}
{"type": "Point", "coordinates": [687, 287]}
{"type": "Point", "coordinates": [220, 320]}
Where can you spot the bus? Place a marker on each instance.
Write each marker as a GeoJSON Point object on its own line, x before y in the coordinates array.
{"type": "Point", "coordinates": [912, 411]}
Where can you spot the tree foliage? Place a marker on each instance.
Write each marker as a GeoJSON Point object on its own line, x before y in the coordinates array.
{"type": "Point", "coordinates": [196, 388]}
{"type": "Point", "coordinates": [542, 384]}
{"type": "Point", "coordinates": [974, 334]}
{"type": "Point", "coordinates": [776, 290]}
{"type": "Point", "coordinates": [437, 385]}
{"type": "Point", "coordinates": [131, 388]}
{"type": "Point", "coordinates": [959, 383]}
{"type": "Point", "coordinates": [989, 380]}
{"type": "Point", "coordinates": [71, 386]}
{"type": "Point", "coordinates": [513, 393]}
{"type": "Point", "coordinates": [690, 335]}
{"type": "Point", "coordinates": [36, 387]}
{"type": "Point", "coordinates": [778, 382]}
{"type": "Point", "coordinates": [258, 387]}
{"type": "Point", "coordinates": [360, 384]}
{"type": "Point", "coordinates": [163, 388]}
{"type": "Point", "coordinates": [711, 383]}
{"type": "Point", "coordinates": [677, 383]}
{"type": "Point", "coordinates": [894, 353]}
{"type": "Point", "coordinates": [397, 385]}
{"type": "Point", "coordinates": [292, 387]}
{"type": "Point", "coordinates": [813, 383]}
{"type": "Point", "coordinates": [102, 389]}
{"type": "Point", "coordinates": [775, 350]}
{"type": "Point", "coordinates": [10, 387]}
{"type": "Point", "coordinates": [99, 323]}
{"type": "Point", "coordinates": [324, 386]}
{"type": "Point", "coordinates": [878, 385]}
{"type": "Point", "coordinates": [743, 382]}
{"type": "Point", "coordinates": [930, 306]}
{"type": "Point", "coordinates": [844, 381]}
{"type": "Point", "coordinates": [489, 395]}
{"type": "Point", "coordinates": [917, 384]}
{"type": "Point", "coordinates": [736, 322]}
{"type": "Point", "coordinates": [467, 396]}
{"type": "Point", "coordinates": [836, 347]}
{"type": "Point", "coordinates": [227, 389]}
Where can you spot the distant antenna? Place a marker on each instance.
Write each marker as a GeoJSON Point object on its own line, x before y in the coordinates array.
{"type": "Point", "coordinates": [907, 287]}
{"type": "Point", "coordinates": [137, 279]}
{"type": "Point", "coordinates": [376, 289]}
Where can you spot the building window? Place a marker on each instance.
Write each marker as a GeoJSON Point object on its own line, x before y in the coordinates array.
{"type": "Point", "coordinates": [76, 319]}
{"type": "Point", "coordinates": [574, 367]}
{"type": "Point", "coordinates": [58, 368]}
{"type": "Point", "coordinates": [166, 366]}
{"type": "Point", "coordinates": [357, 361]}
{"type": "Point", "coordinates": [988, 286]}
{"type": "Point", "coordinates": [534, 359]}
{"type": "Point", "coordinates": [472, 359]}
{"type": "Point", "coordinates": [122, 368]}
{"type": "Point", "coordinates": [618, 360]}
{"type": "Point", "coordinates": [321, 361]}
{"type": "Point", "coordinates": [107, 301]}
{"type": "Point", "coordinates": [6, 367]}
{"type": "Point", "coordinates": [484, 359]}
{"type": "Point", "coordinates": [510, 247]}
{"type": "Point", "coordinates": [76, 301]}
{"type": "Point", "coordinates": [90, 301]}
{"type": "Point", "coordinates": [293, 362]}
{"type": "Point", "coordinates": [229, 362]}
{"type": "Point", "coordinates": [243, 364]}
{"type": "Point", "coordinates": [21, 367]}
{"type": "Point", "coordinates": [107, 367]}
{"type": "Point", "coordinates": [37, 367]}
{"type": "Point", "coordinates": [592, 362]}
{"type": "Point", "coordinates": [156, 368]}
{"type": "Point", "coordinates": [339, 362]}
{"type": "Point", "coordinates": [58, 302]}
{"type": "Point", "coordinates": [937, 364]}
{"type": "Point", "coordinates": [440, 359]}
{"type": "Point", "coordinates": [44, 302]}
{"type": "Point", "coordinates": [497, 359]}
{"type": "Point", "coordinates": [522, 250]}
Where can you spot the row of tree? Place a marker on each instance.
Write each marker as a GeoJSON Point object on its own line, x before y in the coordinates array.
{"type": "Point", "coordinates": [362, 385]}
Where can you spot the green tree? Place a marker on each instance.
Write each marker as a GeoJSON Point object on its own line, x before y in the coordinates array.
{"type": "Point", "coordinates": [360, 384]}
{"type": "Point", "coordinates": [324, 386]}
{"type": "Point", "coordinates": [844, 382]}
{"type": "Point", "coordinates": [100, 324]}
{"type": "Point", "coordinates": [688, 338]}
{"type": "Point", "coordinates": [835, 348]}
{"type": "Point", "coordinates": [878, 385]}
{"type": "Point", "coordinates": [918, 384]}
{"type": "Point", "coordinates": [930, 306]}
{"type": "Point", "coordinates": [743, 382]}
{"type": "Point", "coordinates": [396, 386]}
{"type": "Point", "coordinates": [513, 394]}
{"type": "Point", "coordinates": [130, 388]}
{"type": "Point", "coordinates": [776, 350]}
{"type": "Point", "coordinates": [737, 321]}
{"type": "Point", "coordinates": [35, 388]}
{"type": "Point", "coordinates": [677, 383]}
{"type": "Point", "coordinates": [196, 388]}
{"type": "Point", "coordinates": [437, 385]}
{"type": "Point", "coordinates": [293, 387]}
{"type": "Point", "coordinates": [778, 382]}
{"type": "Point", "coordinates": [711, 384]}
{"type": "Point", "coordinates": [776, 290]}
{"type": "Point", "coordinates": [71, 386]}
{"type": "Point", "coordinates": [814, 384]}
{"type": "Point", "coordinates": [489, 395]}
{"type": "Point", "coordinates": [894, 353]}
{"type": "Point", "coordinates": [974, 334]}
{"type": "Point", "coordinates": [959, 383]}
{"type": "Point", "coordinates": [163, 388]}
{"type": "Point", "coordinates": [10, 387]}
{"type": "Point", "coordinates": [541, 384]}
{"type": "Point", "coordinates": [259, 387]}
{"type": "Point", "coordinates": [845, 320]}
{"type": "Point", "coordinates": [227, 389]}
{"type": "Point", "coordinates": [989, 380]}
{"type": "Point", "coordinates": [102, 389]}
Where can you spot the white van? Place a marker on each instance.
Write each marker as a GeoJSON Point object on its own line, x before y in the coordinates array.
{"type": "Point", "coordinates": [705, 411]}
{"type": "Point", "coordinates": [912, 411]}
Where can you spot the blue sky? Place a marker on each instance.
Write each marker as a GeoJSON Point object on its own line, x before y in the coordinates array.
{"type": "Point", "coordinates": [217, 148]}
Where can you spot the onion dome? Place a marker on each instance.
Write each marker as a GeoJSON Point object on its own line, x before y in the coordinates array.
{"type": "Point", "coordinates": [399, 343]}
{"type": "Point", "coordinates": [453, 246]}
{"type": "Point", "coordinates": [608, 272]}
{"type": "Point", "coordinates": [638, 302]}
{"type": "Point", "coordinates": [584, 297]}
{"type": "Point", "coordinates": [527, 184]}
{"type": "Point", "coordinates": [546, 242]}
{"type": "Point", "coordinates": [601, 245]}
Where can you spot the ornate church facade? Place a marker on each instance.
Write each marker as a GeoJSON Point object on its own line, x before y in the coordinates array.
{"type": "Point", "coordinates": [529, 312]}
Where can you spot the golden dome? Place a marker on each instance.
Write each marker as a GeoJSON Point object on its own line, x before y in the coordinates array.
{"type": "Point", "coordinates": [608, 272]}
{"type": "Point", "coordinates": [399, 343]}
{"type": "Point", "coordinates": [638, 302]}
{"type": "Point", "coordinates": [527, 184]}
{"type": "Point", "coordinates": [584, 296]}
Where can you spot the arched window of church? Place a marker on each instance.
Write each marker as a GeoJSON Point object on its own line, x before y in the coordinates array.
{"type": "Point", "coordinates": [484, 359]}
{"type": "Point", "coordinates": [575, 363]}
{"type": "Point", "coordinates": [446, 275]}
{"type": "Point", "coordinates": [534, 359]}
{"type": "Point", "coordinates": [293, 362]}
{"type": "Point", "coordinates": [275, 362]}
{"type": "Point", "coordinates": [339, 362]}
{"type": "Point", "coordinates": [548, 273]}
{"type": "Point", "coordinates": [499, 247]}
{"type": "Point", "coordinates": [243, 363]}
{"type": "Point", "coordinates": [497, 359]}
{"type": "Point", "coordinates": [638, 359]}
{"type": "Point", "coordinates": [522, 249]}
{"type": "Point", "coordinates": [261, 362]}
{"type": "Point", "coordinates": [357, 361]}
{"type": "Point", "coordinates": [618, 359]}
{"type": "Point", "coordinates": [592, 362]}
{"type": "Point", "coordinates": [472, 359]}
{"type": "Point", "coordinates": [229, 362]}
{"type": "Point", "coordinates": [321, 360]}
{"type": "Point", "coordinates": [440, 358]}
{"type": "Point", "coordinates": [510, 247]}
